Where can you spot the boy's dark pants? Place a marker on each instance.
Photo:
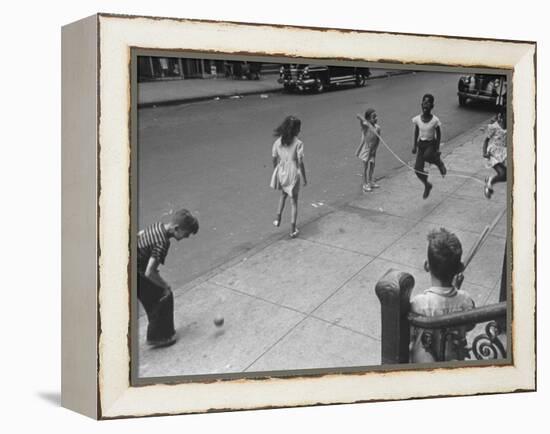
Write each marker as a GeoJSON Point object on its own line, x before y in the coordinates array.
{"type": "Point", "coordinates": [426, 153]}
{"type": "Point", "coordinates": [159, 306]}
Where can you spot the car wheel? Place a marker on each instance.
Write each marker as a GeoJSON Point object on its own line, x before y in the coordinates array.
{"type": "Point", "coordinates": [319, 86]}
{"type": "Point", "coordinates": [461, 100]}
{"type": "Point", "coordinates": [360, 81]}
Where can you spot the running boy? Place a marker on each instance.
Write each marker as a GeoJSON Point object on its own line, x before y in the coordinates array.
{"type": "Point", "coordinates": [153, 292]}
{"type": "Point", "coordinates": [443, 263]}
{"type": "Point", "coordinates": [366, 152]}
{"type": "Point", "coordinates": [427, 137]}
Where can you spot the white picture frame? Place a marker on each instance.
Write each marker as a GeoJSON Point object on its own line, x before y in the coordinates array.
{"type": "Point", "coordinates": [96, 215]}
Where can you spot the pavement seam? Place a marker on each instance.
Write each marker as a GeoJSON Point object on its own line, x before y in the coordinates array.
{"type": "Point", "coordinates": [283, 306]}
{"type": "Point", "coordinates": [305, 314]}
{"type": "Point", "coordinates": [257, 297]}
{"type": "Point", "coordinates": [341, 286]}
{"type": "Point", "coordinates": [274, 344]}
{"type": "Point", "coordinates": [320, 243]}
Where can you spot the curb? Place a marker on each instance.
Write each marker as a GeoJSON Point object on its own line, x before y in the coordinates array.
{"type": "Point", "coordinates": [205, 98]}
{"type": "Point", "coordinates": [178, 101]}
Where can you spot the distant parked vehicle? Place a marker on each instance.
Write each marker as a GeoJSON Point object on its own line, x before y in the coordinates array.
{"type": "Point", "coordinates": [303, 77]}
{"type": "Point", "coordinates": [488, 88]}
{"type": "Point", "coordinates": [240, 70]}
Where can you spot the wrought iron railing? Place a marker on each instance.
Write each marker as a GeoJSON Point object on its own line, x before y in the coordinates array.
{"type": "Point", "coordinates": [438, 334]}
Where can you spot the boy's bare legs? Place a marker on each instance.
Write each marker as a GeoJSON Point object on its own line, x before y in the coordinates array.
{"type": "Point", "coordinates": [419, 170]}
{"type": "Point", "coordinates": [280, 209]}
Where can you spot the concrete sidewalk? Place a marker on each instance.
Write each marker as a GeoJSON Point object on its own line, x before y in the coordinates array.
{"type": "Point", "coordinates": [157, 93]}
{"type": "Point", "coordinates": [309, 302]}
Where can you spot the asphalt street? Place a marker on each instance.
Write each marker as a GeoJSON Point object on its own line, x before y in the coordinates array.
{"type": "Point", "coordinates": [214, 158]}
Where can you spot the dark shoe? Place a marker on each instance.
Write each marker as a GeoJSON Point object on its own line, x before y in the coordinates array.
{"type": "Point", "coordinates": [427, 189]}
{"type": "Point", "coordinates": [159, 343]}
{"type": "Point", "coordinates": [294, 233]}
{"type": "Point", "coordinates": [442, 169]}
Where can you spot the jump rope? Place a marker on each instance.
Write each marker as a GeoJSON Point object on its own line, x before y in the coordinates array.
{"type": "Point", "coordinates": [486, 231]}
{"type": "Point", "coordinates": [412, 168]}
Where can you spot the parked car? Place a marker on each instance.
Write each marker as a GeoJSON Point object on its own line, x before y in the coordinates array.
{"type": "Point", "coordinates": [303, 77]}
{"type": "Point", "coordinates": [482, 87]}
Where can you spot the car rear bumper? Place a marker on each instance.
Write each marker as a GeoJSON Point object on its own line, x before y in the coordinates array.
{"type": "Point", "coordinates": [478, 97]}
{"type": "Point", "coordinates": [298, 83]}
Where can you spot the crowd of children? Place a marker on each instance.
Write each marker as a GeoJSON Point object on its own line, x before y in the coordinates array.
{"type": "Point", "coordinates": [444, 249]}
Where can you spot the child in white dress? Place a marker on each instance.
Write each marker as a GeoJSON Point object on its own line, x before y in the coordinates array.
{"type": "Point", "coordinates": [366, 151]}
{"type": "Point", "coordinates": [494, 150]}
{"type": "Point", "coordinates": [289, 170]}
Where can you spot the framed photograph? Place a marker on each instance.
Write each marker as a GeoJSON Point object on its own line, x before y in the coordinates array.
{"type": "Point", "coordinates": [260, 216]}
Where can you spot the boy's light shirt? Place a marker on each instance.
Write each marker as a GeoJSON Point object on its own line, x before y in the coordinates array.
{"type": "Point", "coordinates": [438, 300]}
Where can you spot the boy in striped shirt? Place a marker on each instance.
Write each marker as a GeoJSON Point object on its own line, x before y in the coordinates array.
{"type": "Point", "coordinates": [153, 292]}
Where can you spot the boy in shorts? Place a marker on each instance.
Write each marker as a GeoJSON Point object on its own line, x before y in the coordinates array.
{"type": "Point", "coordinates": [427, 137]}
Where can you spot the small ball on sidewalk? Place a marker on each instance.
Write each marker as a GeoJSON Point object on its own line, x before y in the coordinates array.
{"type": "Point", "coordinates": [218, 321]}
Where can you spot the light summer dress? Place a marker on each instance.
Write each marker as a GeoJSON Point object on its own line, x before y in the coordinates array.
{"type": "Point", "coordinates": [286, 175]}
{"type": "Point", "coordinates": [497, 145]}
{"type": "Point", "coordinates": [369, 142]}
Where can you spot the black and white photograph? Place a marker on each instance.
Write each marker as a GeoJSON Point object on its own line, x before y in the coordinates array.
{"type": "Point", "coordinates": [301, 217]}
{"type": "Point", "coordinates": [250, 165]}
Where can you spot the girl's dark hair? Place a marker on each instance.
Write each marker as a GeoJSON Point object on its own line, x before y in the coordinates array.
{"type": "Point", "coordinates": [288, 130]}
{"type": "Point", "coordinates": [369, 112]}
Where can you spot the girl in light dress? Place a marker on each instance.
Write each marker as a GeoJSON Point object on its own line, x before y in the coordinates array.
{"type": "Point", "coordinates": [289, 170]}
{"type": "Point", "coordinates": [366, 151]}
{"type": "Point", "coordinates": [494, 150]}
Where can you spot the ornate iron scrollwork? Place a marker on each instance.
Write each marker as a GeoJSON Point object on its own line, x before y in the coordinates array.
{"type": "Point", "coordinates": [488, 346]}
{"type": "Point", "coordinates": [444, 344]}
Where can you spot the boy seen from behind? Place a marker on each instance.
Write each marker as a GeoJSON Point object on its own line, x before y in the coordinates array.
{"type": "Point", "coordinates": [444, 263]}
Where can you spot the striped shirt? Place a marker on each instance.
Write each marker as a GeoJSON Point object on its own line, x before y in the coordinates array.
{"type": "Point", "coordinates": [153, 242]}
